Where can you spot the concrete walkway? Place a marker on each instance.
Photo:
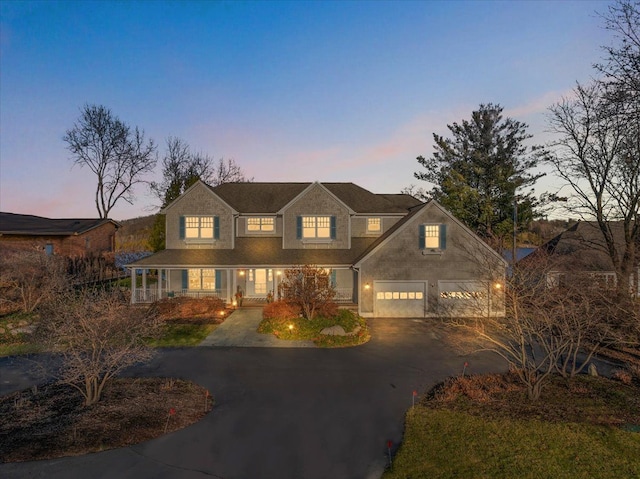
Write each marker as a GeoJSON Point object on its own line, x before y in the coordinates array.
{"type": "Point", "coordinates": [240, 330]}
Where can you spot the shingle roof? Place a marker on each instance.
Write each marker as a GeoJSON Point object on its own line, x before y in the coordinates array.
{"type": "Point", "coordinates": [17, 224]}
{"type": "Point", "coordinates": [255, 252]}
{"type": "Point", "coordinates": [582, 246]}
{"type": "Point", "coordinates": [272, 197]}
{"type": "Point", "coordinates": [258, 197]}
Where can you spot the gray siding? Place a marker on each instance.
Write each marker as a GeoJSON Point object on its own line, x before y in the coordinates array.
{"type": "Point", "coordinates": [199, 201]}
{"type": "Point", "coordinates": [316, 201]}
{"type": "Point", "coordinates": [242, 227]}
{"type": "Point", "coordinates": [359, 225]}
{"type": "Point", "coordinates": [401, 259]}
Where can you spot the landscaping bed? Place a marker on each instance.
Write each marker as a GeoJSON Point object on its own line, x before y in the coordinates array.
{"type": "Point", "coordinates": [285, 323]}
{"type": "Point", "coordinates": [484, 426]}
{"type": "Point", "coordinates": [50, 421]}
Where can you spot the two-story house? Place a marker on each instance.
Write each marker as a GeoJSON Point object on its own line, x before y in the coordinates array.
{"type": "Point", "coordinates": [390, 254]}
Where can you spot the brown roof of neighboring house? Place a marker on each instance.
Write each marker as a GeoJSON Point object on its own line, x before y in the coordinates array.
{"type": "Point", "coordinates": [272, 197]}
{"type": "Point", "coordinates": [17, 224]}
{"type": "Point", "coordinates": [582, 246]}
{"type": "Point", "coordinates": [255, 252]}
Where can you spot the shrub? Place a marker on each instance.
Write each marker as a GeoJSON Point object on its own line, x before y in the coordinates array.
{"type": "Point", "coordinates": [280, 310]}
{"type": "Point", "coordinates": [180, 308]}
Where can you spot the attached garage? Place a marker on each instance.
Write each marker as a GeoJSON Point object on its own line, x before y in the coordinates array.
{"type": "Point", "coordinates": [398, 299]}
{"type": "Point", "coordinates": [462, 298]}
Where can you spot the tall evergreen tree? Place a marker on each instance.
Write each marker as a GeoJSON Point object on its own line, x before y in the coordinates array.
{"type": "Point", "coordinates": [482, 171]}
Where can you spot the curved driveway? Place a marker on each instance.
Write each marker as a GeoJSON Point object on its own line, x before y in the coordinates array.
{"type": "Point", "coordinates": [284, 413]}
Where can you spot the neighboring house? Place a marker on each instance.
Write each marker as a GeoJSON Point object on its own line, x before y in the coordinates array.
{"type": "Point", "coordinates": [390, 254]}
{"type": "Point", "coordinates": [74, 238]}
{"type": "Point", "coordinates": [580, 251]}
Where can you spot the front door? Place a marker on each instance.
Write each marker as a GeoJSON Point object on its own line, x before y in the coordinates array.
{"type": "Point", "coordinates": [260, 282]}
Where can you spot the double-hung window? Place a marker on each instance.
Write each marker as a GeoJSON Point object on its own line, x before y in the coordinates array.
{"type": "Point", "coordinates": [433, 237]}
{"type": "Point", "coordinates": [316, 227]}
{"type": "Point", "coordinates": [205, 279]}
{"type": "Point", "coordinates": [199, 227]}
{"type": "Point", "coordinates": [374, 225]}
{"type": "Point", "coordinates": [260, 224]}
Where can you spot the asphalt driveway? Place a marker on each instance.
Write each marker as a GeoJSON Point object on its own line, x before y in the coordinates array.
{"type": "Point", "coordinates": [283, 413]}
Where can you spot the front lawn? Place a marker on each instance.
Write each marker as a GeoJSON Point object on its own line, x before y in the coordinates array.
{"type": "Point", "coordinates": [177, 334]}
{"type": "Point", "coordinates": [486, 427]}
{"type": "Point", "coordinates": [299, 328]}
{"type": "Point", "coordinates": [15, 334]}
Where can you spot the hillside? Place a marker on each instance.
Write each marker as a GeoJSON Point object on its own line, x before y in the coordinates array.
{"type": "Point", "coordinates": [133, 235]}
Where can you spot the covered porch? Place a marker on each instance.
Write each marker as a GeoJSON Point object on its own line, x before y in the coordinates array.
{"type": "Point", "coordinates": [232, 285]}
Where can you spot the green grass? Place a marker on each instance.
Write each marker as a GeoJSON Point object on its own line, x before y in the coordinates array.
{"type": "Point", "coordinates": [177, 334]}
{"type": "Point", "coordinates": [303, 329]}
{"type": "Point", "coordinates": [485, 427]}
{"type": "Point", "coordinates": [442, 443]}
{"type": "Point", "coordinates": [14, 344]}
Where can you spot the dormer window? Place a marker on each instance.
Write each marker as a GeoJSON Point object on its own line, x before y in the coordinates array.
{"type": "Point", "coordinates": [199, 227]}
{"type": "Point", "coordinates": [316, 227]}
{"type": "Point", "coordinates": [260, 225]}
{"type": "Point", "coordinates": [374, 225]}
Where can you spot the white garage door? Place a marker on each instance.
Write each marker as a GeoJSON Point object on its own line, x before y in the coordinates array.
{"type": "Point", "coordinates": [462, 298]}
{"type": "Point", "coordinates": [399, 299]}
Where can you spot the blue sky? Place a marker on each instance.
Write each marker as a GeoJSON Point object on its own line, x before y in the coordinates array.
{"type": "Point", "coordinates": [292, 91]}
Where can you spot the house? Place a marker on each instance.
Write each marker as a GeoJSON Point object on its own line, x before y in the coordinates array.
{"type": "Point", "coordinates": [70, 237]}
{"type": "Point", "coordinates": [580, 252]}
{"type": "Point", "coordinates": [389, 254]}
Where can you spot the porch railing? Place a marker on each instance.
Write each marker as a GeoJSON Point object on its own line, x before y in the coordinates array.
{"type": "Point", "coordinates": [150, 295]}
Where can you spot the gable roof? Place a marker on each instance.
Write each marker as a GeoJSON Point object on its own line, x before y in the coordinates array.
{"type": "Point", "coordinates": [414, 212]}
{"type": "Point", "coordinates": [17, 224]}
{"type": "Point", "coordinates": [269, 198]}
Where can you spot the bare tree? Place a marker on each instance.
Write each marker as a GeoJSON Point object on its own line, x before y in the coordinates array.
{"type": "Point", "coordinates": [181, 168]}
{"type": "Point", "coordinates": [309, 287]}
{"type": "Point", "coordinates": [598, 156]}
{"type": "Point", "coordinates": [117, 154]}
{"type": "Point", "coordinates": [97, 334]}
{"type": "Point", "coordinates": [30, 278]}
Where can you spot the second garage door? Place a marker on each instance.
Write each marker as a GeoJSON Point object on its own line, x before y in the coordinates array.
{"type": "Point", "coordinates": [395, 299]}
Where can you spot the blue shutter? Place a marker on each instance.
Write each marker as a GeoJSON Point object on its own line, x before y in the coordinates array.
{"type": "Point", "coordinates": [182, 227]}
{"type": "Point", "coordinates": [333, 227]}
{"type": "Point", "coordinates": [299, 227]}
{"type": "Point", "coordinates": [218, 279]}
{"type": "Point", "coordinates": [421, 234]}
{"type": "Point", "coordinates": [216, 227]}
{"type": "Point", "coordinates": [185, 279]}
{"type": "Point", "coordinates": [333, 278]}
{"type": "Point", "coordinates": [443, 236]}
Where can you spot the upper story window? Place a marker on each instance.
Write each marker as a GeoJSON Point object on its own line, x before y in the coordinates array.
{"type": "Point", "coordinates": [374, 225]}
{"type": "Point", "coordinates": [199, 227]}
{"type": "Point", "coordinates": [433, 237]}
{"type": "Point", "coordinates": [260, 224]}
{"type": "Point", "coordinates": [316, 227]}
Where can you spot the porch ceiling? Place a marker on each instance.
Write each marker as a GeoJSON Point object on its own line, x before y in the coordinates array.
{"type": "Point", "coordinates": [254, 252]}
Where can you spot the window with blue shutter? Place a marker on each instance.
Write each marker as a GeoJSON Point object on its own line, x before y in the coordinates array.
{"type": "Point", "coordinates": [333, 278]}
{"type": "Point", "coordinates": [216, 227]}
{"type": "Point", "coordinates": [182, 227]}
{"type": "Point", "coordinates": [299, 227]}
{"type": "Point", "coordinates": [432, 237]}
{"type": "Point", "coordinates": [218, 279]}
{"type": "Point", "coordinates": [185, 279]}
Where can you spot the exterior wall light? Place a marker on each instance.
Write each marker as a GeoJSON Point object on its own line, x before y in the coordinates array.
{"type": "Point", "coordinates": [279, 273]}
{"type": "Point", "coordinates": [367, 286]}
{"type": "Point", "coordinates": [241, 272]}
{"type": "Point", "coordinates": [497, 286]}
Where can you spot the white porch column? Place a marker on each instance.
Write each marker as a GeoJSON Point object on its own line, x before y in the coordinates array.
{"type": "Point", "coordinates": [229, 293]}
{"type": "Point", "coordinates": [144, 284]}
{"type": "Point", "coordinates": [234, 284]}
{"type": "Point", "coordinates": [133, 286]}
{"type": "Point", "coordinates": [159, 284]}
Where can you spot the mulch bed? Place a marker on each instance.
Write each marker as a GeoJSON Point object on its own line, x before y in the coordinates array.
{"type": "Point", "coordinates": [50, 421]}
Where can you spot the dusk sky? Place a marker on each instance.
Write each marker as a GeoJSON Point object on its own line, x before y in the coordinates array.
{"type": "Point", "coordinates": [292, 91]}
